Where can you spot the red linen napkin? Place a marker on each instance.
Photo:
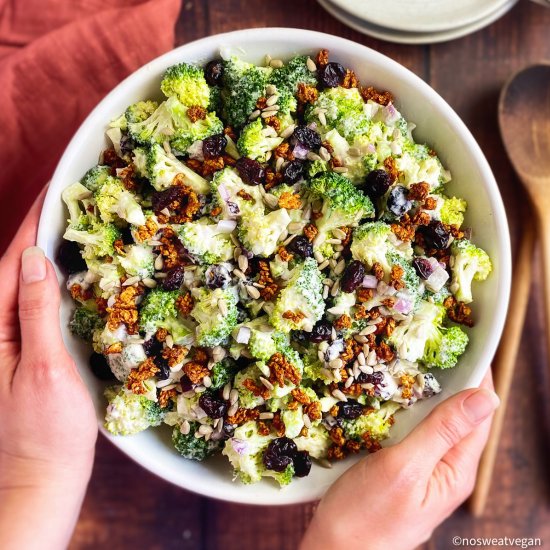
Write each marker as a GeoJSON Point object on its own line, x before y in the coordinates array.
{"type": "Point", "coordinates": [58, 58]}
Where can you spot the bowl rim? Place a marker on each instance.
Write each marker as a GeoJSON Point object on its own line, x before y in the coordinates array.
{"type": "Point", "coordinates": [299, 38]}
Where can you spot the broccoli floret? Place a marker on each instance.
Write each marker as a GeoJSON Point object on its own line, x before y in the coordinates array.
{"type": "Point", "coordinates": [304, 294]}
{"type": "Point", "coordinates": [413, 169]}
{"type": "Point", "coordinates": [216, 313]}
{"type": "Point", "coordinates": [189, 446]}
{"type": "Point", "coordinates": [452, 211]}
{"type": "Point", "coordinates": [247, 399]}
{"type": "Point", "coordinates": [140, 111]}
{"type": "Point", "coordinates": [187, 83]}
{"type": "Point", "coordinates": [261, 344]}
{"type": "Point", "coordinates": [470, 263]}
{"type": "Point", "coordinates": [317, 167]}
{"type": "Point", "coordinates": [128, 413]}
{"type": "Point", "coordinates": [256, 140]}
{"type": "Point", "coordinates": [370, 244]}
{"type": "Point", "coordinates": [445, 348]}
{"type": "Point", "coordinates": [317, 442]}
{"type": "Point", "coordinates": [222, 373]}
{"type": "Point", "coordinates": [244, 84]}
{"type": "Point", "coordinates": [138, 261]}
{"type": "Point", "coordinates": [115, 202]}
{"type": "Point", "coordinates": [376, 423]}
{"type": "Point", "coordinates": [84, 322]}
{"type": "Point", "coordinates": [226, 185]}
{"type": "Point", "coordinates": [159, 311]}
{"type": "Point", "coordinates": [409, 277]}
{"type": "Point", "coordinates": [98, 238]}
{"type": "Point", "coordinates": [131, 357]}
{"type": "Point", "coordinates": [162, 168]}
{"type": "Point", "coordinates": [343, 204]}
{"type": "Point", "coordinates": [95, 177]}
{"type": "Point", "coordinates": [260, 232]}
{"type": "Point", "coordinates": [189, 132]}
{"type": "Point", "coordinates": [344, 111]}
{"type": "Point", "coordinates": [72, 196]}
{"type": "Point", "coordinates": [206, 242]}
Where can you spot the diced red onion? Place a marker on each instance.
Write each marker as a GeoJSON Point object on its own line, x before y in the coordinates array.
{"type": "Point", "coordinates": [239, 446]}
{"type": "Point", "coordinates": [436, 281]}
{"type": "Point", "coordinates": [369, 281]}
{"type": "Point", "coordinates": [403, 306]}
{"type": "Point", "coordinates": [396, 149]}
{"type": "Point", "coordinates": [227, 226]}
{"type": "Point", "coordinates": [300, 151]}
{"type": "Point", "coordinates": [371, 148]}
{"type": "Point", "coordinates": [224, 193]}
{"type": "Point", "coordinates": [312, 125]}
{"type": "Point", "coordinates": [390, 114]}
{"type": "Point", "coordinates": [243, 336]}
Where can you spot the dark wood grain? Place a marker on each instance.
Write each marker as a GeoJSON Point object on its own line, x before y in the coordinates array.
{"type": "Point", "coordinates": [127, 507]}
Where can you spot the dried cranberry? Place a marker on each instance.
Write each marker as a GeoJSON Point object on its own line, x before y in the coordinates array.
{"type": "Point", "coordinates": [162, 364]}
{"type": "Point", "coordinates": [293, 171]}
{"type": "Point", "coordinates": [152, 347]}
{"type": "Point", "coordinates": [173, 278]}
{"type": "Point", "coordinates": [213, 72]}
{"type": "Point", "coordinates": [300, 246]}
{"type": "Point", "coordinates": [376, 378]}
{"type": "Point", "coordinates": [376, 183]}
{"type": "Point", "coordinates": [163, 199]}
{"type": "Point", "coordinates": [127, 144]}
{"type": "Point", "coordinates": [186, 384]}
{"type": "Point", "coordinates": [302, 464]}
{"type": "Point", "coordinates": [228, 430]}
{"type": "Point", "coordinates": [279, 454]}
{"type": "Point", "coordinates": [212, 405]}
{"type": "Point", "coordinates": [331, 75]}
{"type": "Point", "coordinates": [398, 202]}
{"type": "Point", "coordinates": [307, 136]}
{"type": "Point", "coordinates": [435, 235]}
{"type": "Point", "coordinates": [353, 276]}
{"type": "Point", "coordinates": [214, 146]}
{"type": "Point", "coordinates": [251, 171]}
{"type": "Point", "coordinates": [322, 331]}
{"type": "Point", "coordinates": [126, 235]}
{"type": "Point", "coordinates": [350, 409]}
{"type": "Point", "coordinates": [217, 276]}
{"type": "Point", "coordinates": [423, 267]}
{"type": "Point", "coordinates": [69, 257]}
{"type": "Point", "coordinates": [100, 367]}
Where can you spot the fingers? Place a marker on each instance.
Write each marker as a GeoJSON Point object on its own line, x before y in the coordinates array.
{"type": "Point", "coordinates": [447, 425]}
{"type": "Point", "coordinates": [38, 307]}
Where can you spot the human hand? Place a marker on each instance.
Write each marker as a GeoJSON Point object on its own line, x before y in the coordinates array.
{"type": "Point", "coordinates": [396, 497]}
{"type": "Point", "coordinates": [48, 428]}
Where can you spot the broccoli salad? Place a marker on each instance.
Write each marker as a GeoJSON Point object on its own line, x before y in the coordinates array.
{"type": "Point", "coordinates": [267, 263]}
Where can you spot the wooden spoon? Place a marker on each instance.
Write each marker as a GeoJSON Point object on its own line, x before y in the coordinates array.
{"type": "Point", "coordinates": [524, 119]}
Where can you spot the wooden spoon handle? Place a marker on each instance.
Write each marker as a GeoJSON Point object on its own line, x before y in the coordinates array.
{"type": "Point", "coordinates": [505, 361]}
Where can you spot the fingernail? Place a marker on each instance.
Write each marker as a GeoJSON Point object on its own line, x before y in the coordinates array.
{"type": "Point", "coordinates": [480, 404]}
{"type": "Point", "coordinates": [33, 265]}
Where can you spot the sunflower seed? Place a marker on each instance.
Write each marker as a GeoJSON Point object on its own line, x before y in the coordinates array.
{"type": "Point", "coordinates": [349, 382]}
{"type": "Point", "coordinates": [319, 257]}
{"type": "Point", "coordinates": [360, 339]}
{"type": "Point", "coordinates": [149, 283]}
{"type": "Point", "coordinates": [321, 355]}
{"type": "Point", "coordinates": [266, 416]}
{"type": "Point", "coordinates": [306, 420]}
{"type": "Point", "coordinates": [361, 359]}
{"type": "Point", "coordinates": [313, 156]}
{"type": "Point", "coordinates": [335, 288]}
{"type": "Point", "coordinates": [185, 427]}
{"type": "Point", "coordinates": [336, 363]}
{"type": "Point", "coordinates": [339, 234]}
{"type": "Point", "coordinates": [270, 89]}
{"type": "Point", "coordinates": [295, 227]}
{"type": "Point", "coordinates": [322, 118]}
{"type": "Point", "coordinates": [131, 281]}
{"type": "Point", "coordinates": [276, 63]}
{"type": "Point", "coordinates": [288, 131]}
{"type": "Point", "coordinates": [222, 306]}
{"type": "Point", "coordinates": [279, 164]}
{"type": "Point", "coordinates": [226, 390]}
{"type": "Point", "coordinates": [253, 292]}
{"type": "Point", "coordinates": [340, 169]}
{"type": "Point", "coordinates": [205, 429]}
{"type": "Point", "coordinates": [366, 350]}
{"type": "Point", "coordinates": [311, 65]}
{"type": "Point", "coordinates": [159, 262]}
{"type": "Point", "coordinates": [243, 263]}
{"type": "Point", "coordinates": [339, 395]}
{"type": "Point", "coordinates": [325, 292]}
{"type": "Point", "coordinates": [271, 200]}
{"type": "Point", "coordinates": [233, 409]}
{"type": "Point", "coordinates": [169, 341]}
{"type": "Point", "coordinates": [266, 383]}
{"type": "Point", "coordinates": [272, 100]}
{"type": "Point", "coordinates": [207, 381]}
{"type": "Point", "coordinates": [324, 154]}
{"type": "Point", "coordinates": [371, 359]}
{"type": "Point", "coordinates": [323, 265]}
{"type": "Point", "coordinates": [238, 273]}
{"type": "Point", "coordinates": [233, 396]}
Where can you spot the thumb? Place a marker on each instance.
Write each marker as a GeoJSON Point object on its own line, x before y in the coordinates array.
{"type": "Point", "coordinates": [447, 425]}
{"type": "Point", "coordinates": [38, 307]}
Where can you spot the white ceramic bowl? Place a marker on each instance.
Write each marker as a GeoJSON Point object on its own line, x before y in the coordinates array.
{"type": "Point", "coordinates": [437, 124]}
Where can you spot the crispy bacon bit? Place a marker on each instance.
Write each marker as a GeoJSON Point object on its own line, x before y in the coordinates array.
{"type": "Point", "coordinates": [259, 390]}
{"type": "Point", "coordinates": [284, 254]}
{"type": "Point", "coordinates": [282, 370]}
{"type": "Point", "coordinates": [294, 316]}
{"type": "Point", "coordinates": [147, 231]}
{"type": "Point", "coordinates": [127, 175]}
{"type": "Point", "coordinates": [303, 432]}
{"type": "Point", "coordinates": [378, 270]}
{"type": "Point", "coordinates": [244, 195]}
{"type": "Point", "coordinates": [306, 93]}
{"type": "Point", "coordinates": [261, 103]}
{"type": "Point", "coordinates": [166, 396]}
{"type": "Point", "coordinates": [391, 168]}
{"type": "Point", "coordinates": [396, 275]}
{"type": "Point", "coordinates": [200, 355]}
{"type": "Point", "coordinates": [101, 304]}
{"type": "Point", "coordinates": [216, 211]}
{"type": "Point", "coordinates": [161, 334]}
{"type": "Point", "coordinates": [348, 231]}
{"type": "Point", "coordinates": [337, 436]}
{"type": "Point", "coordinates": [270, 287]}
{"type": "Point", "coordinates": [364, 294]}
{"type": "Point", "coordinates": [322, 58]}
{"type": "Point", "coordinates": [78, 293]}
{"type": "Point", "coordinates": [147, 369]}
{"type": "Point", "coordinates": [263, 428]}
{"type": "Point", "coordinates": [124, 310]}
{"type": "Point", "coordinates": [243, 415]}
{"type": "Point", "coordinates": [407, 382]}
{"type": "Point", "coordinates": [456, 232]}
{"type": "Point", "coordinates": [313, 410]}
{"type": "Point", "coordinates": [274, 122]}
{"type": "Point", "coordinates": [383, 98]}
{"type": "Point", "coordinates": [384, 352]}
{"type": "Point", "coordinates": [284, 151]}
{"type": "Point", "coordinates": [228, 131]}
{"type": "Point", "coordinates": [118, 245]}
{"type": "Point", "coordinates": [293, 405]}
{"type": "Point", "coordinates": [184, 304]}
{"type": "Point", "coordinates": [349, 351]}
{"type": "Point", "coordinates": [211, 166]}
{"type": "Point", "coordinates": [328, 147]}
{"type": "Point", "coordinates": [370, 444]}
{"type": "Point", "coordinates": [278, 424]}
{"type": "Point", "coordinates": [389, 326]}
{"type": "Point", "coordinates": [195, 371]}
{"type": "Point", "coordinates": [430, 203]}
{"type": "Point", "coordinates": [360, 313]}
{"type": "Point", "coordinates": [171, 248]}
{"type": "Point", "coordinates": [194, 164]}
{"type": "Point", "coordinates": [311, 231]}
{"type": "Point", "coordinates": [272, 178]}
{"type": "Point", "coordinates": [336, 453]}
{"type": "Point", "coordinates": [421, 218]}
{"type": "Point", "coordinates": [350, 80]}
{"type": "Point", "coordinates": [418, 191]}
{"type": "Point", "coordinates": [389, 302]}
{"type": "Point", "coordinates": [114, 348]}
{"type": "Point", "coordinates": [228, 160]}
{"type": "Point", "coordinates": [196, 112]}
{"type": "Point", "coordinates": [458, 312]}
{"type": "Point", "coordinates": [404, 230]}
{"type": "Point", "coordinates": [290, 201]}
{"type": "Point", "coordinates": [344, 321]}
{"type": "Point", "coordinates": [355, 390]}
{"type": "Point", "coordinates": [335, 162]}
{"type": "Point", "coordinates": [187, 203]}
{"type": "Point", "coordinates": [110, 158]}
{"type": "Point", "coordinates": [175, 355]}
{"type": "Point", "coordinates": [353, 446]}
{"type": "Point", "coordinates": [301, 396]}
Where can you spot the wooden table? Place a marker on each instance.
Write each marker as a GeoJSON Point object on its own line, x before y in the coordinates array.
{"type": "Point", "coordinates": [127, 507]}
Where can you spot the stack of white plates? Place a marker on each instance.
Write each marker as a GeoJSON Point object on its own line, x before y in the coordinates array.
{"type": "Point", "coordinates": [417, 21]}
